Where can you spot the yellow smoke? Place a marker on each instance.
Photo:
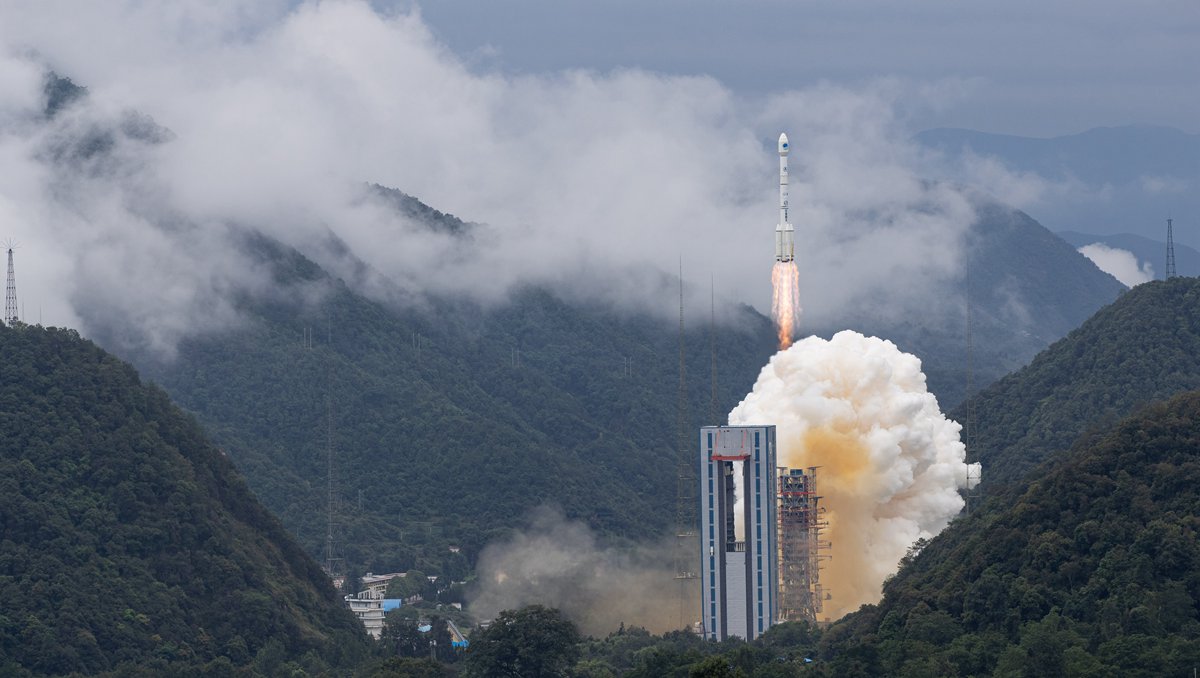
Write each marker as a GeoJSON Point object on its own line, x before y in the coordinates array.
{"type": "Point", "coordinates": [890, 462]}
{"type": "Point", "coordinates": [785, 300]}
{"type": "Point", "coordinates": [843, 476]}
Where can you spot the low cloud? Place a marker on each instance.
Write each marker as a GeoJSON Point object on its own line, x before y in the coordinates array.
{"type": "Point", "coordinates": [1120, 264]}
{"type": "Point", "coordinates": [279, 114]}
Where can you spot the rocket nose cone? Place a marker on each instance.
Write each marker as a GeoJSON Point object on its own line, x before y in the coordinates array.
{"type": "Point", "coordinates": [783, 144]}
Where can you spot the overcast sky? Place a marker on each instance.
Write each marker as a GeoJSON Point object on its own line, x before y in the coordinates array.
{"type": "Point", "coordinates": [577, 133]}
{"type": "Point", "coordinates": [1027, 67]}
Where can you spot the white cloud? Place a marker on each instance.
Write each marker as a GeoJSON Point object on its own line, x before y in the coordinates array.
{"type": "Point", "coordinates": [1120, 264]}
{"type": "Point", "coordinates": [589, 182]}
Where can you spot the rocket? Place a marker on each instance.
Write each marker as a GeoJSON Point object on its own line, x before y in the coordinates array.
{"type": "Point", "coordinates": [785, 235]}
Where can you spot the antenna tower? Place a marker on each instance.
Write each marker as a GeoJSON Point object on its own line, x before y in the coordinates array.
{"type": "Point", "coordinates": [685, 530]}
{"type": "Point", "coordinates": [713, 409]}
{"type": "Point", "coordinates": [331, 561]}
{"type": "Point", "coordinates": [10, 292]}
{"type": "Point", "coordinates": [1170, 252]}
{"type": "Point", "coordinates": [969, 429]}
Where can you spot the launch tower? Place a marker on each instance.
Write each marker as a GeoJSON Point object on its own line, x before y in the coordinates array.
{"type": "Point", "coordinates": [738, 568]}
{"type": "Point", "coordinates": [801, 521]}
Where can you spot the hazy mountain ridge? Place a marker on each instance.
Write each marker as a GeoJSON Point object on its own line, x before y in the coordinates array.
{"type": "Point", "coordinates": [538, 394]}
{"type": "Point", "coordinates": [1146, 250]}
{"type": "Point", "coordinates": [1106, 180]}
{"type": "Point", "coordinates": [432, 402]}
{"type": "Point", "coordinates": [129, 538]}
{"type": "Point", "coordinates": [1097, 156]}
{"type": "Point", "coordinates": [1027, 287]}
{"type": "Point", "coordinates": [1139, 349]}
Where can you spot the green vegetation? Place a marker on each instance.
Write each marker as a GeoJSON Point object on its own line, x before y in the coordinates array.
{"type": "Point", "coordinates": [1091, 570]}
{"type": "Point", "coordinates": [128, 539]}
{"type": "Point", "coordinates": [446, 440]}
{"type": "Point", "coordinates": [1028, 289]}
{"type": "Point", "coordinates": [451, 422]}
{"type": "Point", "coordinates": [1140, 349]}
{"type": "Point", "coordinates": [533, 642]}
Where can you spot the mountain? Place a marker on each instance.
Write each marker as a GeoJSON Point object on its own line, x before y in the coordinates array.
{"type": "Point", "coordinates": [1141, 348]}
{"type": "Point", "coordinates": [1091, 568]}
{"type": "Point", "coordinates": [1145, 250]}
{"type": "Point", "coordinates": [532, 397]}
{"type": "Point", "coordinates": [448, 420]}
{"type": "Point", "coordinates": [129, 539]}
{"type": "Point", "coordinates": [1028, 288]}
{"type": "Point", "coordinates": [1105, 180]}
{"type": "Point", "coordinates": [1115, 155]}
{"type": "Point", "coordinates": [449, 426]}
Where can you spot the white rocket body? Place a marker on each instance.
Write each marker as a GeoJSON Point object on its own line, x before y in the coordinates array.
{"type": "Point", "coordinates": [785, 235]}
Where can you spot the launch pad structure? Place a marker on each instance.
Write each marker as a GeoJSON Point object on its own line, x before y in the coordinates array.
{"type": "Point", "coordinates": [801, 547]}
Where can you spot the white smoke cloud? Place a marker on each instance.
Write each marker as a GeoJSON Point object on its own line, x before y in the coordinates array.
{"type": "Point", "coordinates": [560, 563]}
{"type": "Point", "coordinates": [1120, 264]}
{"type": "Point", "coordinates": [891, 464]}
{"type": "Point", "coordinates": [588, 182]}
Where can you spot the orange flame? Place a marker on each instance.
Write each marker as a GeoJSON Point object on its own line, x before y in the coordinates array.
{"type": "Point", "coordinates": [785, 300]}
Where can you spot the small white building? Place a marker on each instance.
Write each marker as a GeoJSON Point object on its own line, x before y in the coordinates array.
{"type": "Point", "coordinates": [377, 584]}
{"type": "Point", "coordinates": [369, 611]}
{"type": "Point", "coordinates": [370, 606]}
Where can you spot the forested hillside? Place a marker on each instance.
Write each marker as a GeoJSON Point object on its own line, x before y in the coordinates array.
{"type": "Point", "coordinates": [447, 428]}
{"type": "Point", "coordinates": [448, 419]}
{"type": "Point", "coordinates": [1091, 569]}
{"type": "Point", "coordinates": [128, 538]}
{"type": "Point", "coordinates": [1028, 288]}
{"type": "Point", "coordinates": [1141, 348]}
{"type": "Point", "coordinates": [542, 399]}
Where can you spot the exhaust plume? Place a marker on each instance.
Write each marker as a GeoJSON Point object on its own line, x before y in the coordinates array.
{"type": "Point", "coordinates": [891, 463]}
{"type": "Point", "coordinates": [785, 300]}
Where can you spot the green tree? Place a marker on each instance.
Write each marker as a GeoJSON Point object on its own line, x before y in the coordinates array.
{"type": "Point", "coordinates": [714, 667]}
{"type": "Point", "coordinates": [532, 642]}
{"type": "Point", "coordinates": [407, 667]}
{"type": "Point", "coordinates": [401, 637]}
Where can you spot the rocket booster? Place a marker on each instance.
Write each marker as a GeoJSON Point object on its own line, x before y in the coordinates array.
{"type": "Point", "coordinates": [785, 235]}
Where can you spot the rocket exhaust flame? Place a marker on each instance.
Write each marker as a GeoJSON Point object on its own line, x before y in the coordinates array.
{"type": "Point", "coordinates": [785, 300]}
{"type": "Point", "coordinates": [891, 463]}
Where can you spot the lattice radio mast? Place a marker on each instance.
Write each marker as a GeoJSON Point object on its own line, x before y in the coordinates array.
{"type": "Point", "coordinates": [713, 408]}
{"type": "Point", "coordinates": [685, 529]}
{"type": "Point", "coordinates": [1170, 252]}
{"type": "Point", "coordinates": [331, 561]}
{"type": "Point", "coordinates": [10, 292]}
{"type": "Point", "coordinates": [969, 430]}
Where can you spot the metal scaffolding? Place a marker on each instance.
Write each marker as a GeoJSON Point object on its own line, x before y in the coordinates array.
{"type": "Point", "coordinates": [801, 548]}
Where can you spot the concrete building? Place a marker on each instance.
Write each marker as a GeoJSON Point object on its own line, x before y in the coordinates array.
{"type": "Point", "coordinates": [370, 606]}
{"type": "Point", "coordinates": [369, 611]}
{"type": "Point", "coordinates": [739, 553]}
{"type": "Point", "coordinates": [376, 584]}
